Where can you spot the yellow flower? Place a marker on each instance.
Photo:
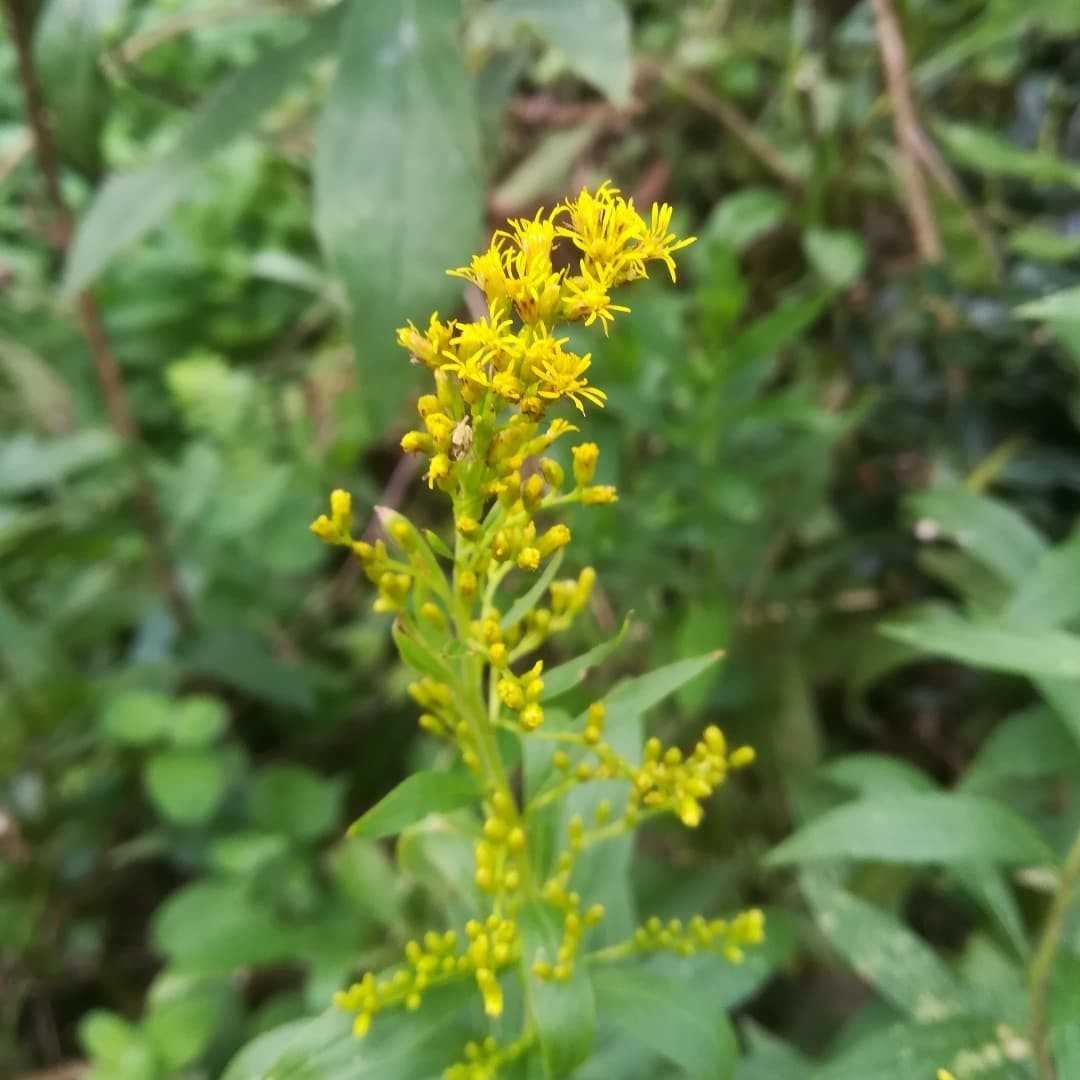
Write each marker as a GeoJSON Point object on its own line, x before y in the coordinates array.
{"type": "Point", "coordinates": [559, 373]}
{"type": "Point", "coordinates": [659, 243]}
{"type": "Point", "coordinates": [487, 271]}
{"type": "Point", "coordinates": [427, 348]}
{"type": "Point", "coordinates": [585, 298]}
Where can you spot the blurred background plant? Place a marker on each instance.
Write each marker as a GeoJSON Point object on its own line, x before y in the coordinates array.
{"type": "Point", "coordinates": [846, 448]}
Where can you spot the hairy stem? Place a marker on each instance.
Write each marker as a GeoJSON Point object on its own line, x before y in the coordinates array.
{"type": "Point", "coordinates": [1042, 965]}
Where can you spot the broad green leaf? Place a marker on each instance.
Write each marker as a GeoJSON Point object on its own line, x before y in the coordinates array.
{"type": "Point", "coordinates": [909, 1050]}
{"type": "Point", "coordinates": [564, 1012]}
{"type": "Point", "coordinates": [69, 38]}
{"type": "Point", "coordinates": [137, 717]}
{"type": "Point", "coordinates": [181, 1025]}
{"type": "Point", "coordinates": [740, 219]}
{"type": "Point", "coordinates": [198, 720]}
{"type": "Point", "coordinates": [592, 35]}
{"type": "Point", "coordinates": [398, 183]}
{"type": "Point", "coordinates": [414, 798]}
{"type": "Point", "coordinates": [989, 153]}
{"type": "Point", "coordinates": [769, 1058]}
{"type": "Point", "coordinates": [566, 676]}
{"type": "Point", "coordinates": [993, 532]}
{"type": "Point", "coordinates": [890, 957]}
{"type": "Point", "coordinates": [525, 603]}
{"type": "Point", "coordinates": [1049, 596]}
{"type": "Point", "coordinates": [129, 204]}
{"type": "Point", "coordinates": [871, 774]}
{"type": "Point", "coordinates": [187, 786]}
{"type": "Point", "coordinates": [837, 255]}
{"type": "Point", "coordinates": [295, 801]}
{"type": "Point", "coordinates": [916, 828]}
{"type": "Point", "coordinates": [1034, 653]}
{"type": "Point", "coordinates": [1027, 745]}
{"type": "Point", "coordinates": [400, 1044]}
{"type": "Point", "coordinates": [690, 1030]}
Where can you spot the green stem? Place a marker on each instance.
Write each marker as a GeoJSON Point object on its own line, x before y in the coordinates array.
{"type": "Point", "coordinates": [1043, 963]}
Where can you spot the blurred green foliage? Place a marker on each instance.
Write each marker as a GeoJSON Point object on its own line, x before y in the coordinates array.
{"type": "Point", "coordinates": [855, 470]}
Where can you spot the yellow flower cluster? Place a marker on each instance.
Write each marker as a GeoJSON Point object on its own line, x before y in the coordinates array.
{"type": "Point", "coordinates": [489, 446]}
{"type": "Point", "coordinates": [492, 946]}
{"type": "Point", "coordinates": [728, 938]}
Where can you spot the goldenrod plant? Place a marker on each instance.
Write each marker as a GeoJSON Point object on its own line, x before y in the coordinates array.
{"type": "Point", "coordinates": [472, 612]}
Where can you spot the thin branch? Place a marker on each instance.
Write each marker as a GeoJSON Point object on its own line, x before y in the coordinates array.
{"type": "Point", "coordinates": [90, 321]}
{"type": "Point", "coordinates": [731, 119]}
{"type": "Point", "coordinates": [898, 83]}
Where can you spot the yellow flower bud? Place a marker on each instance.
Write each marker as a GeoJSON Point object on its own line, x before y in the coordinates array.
{"type": "Point", "coordinates": [416, 442]}
{"type": "Point", "coordinates": [325, 529]}
{"type": "Point", "coordinates": [585, 458]}
{"type": "Point", "coordinates": [742, 757]}
{"type": "Point", "coordinates": [556, 537]}
{"type": "Point", "coordinates": [341, 511]}
{"type": "Point", "coordinates": [528, 558]}
{"type": "Point", "coordinates": [553, 472]}
{"type": "Point", "coordinates": [532, 716]}
{"type": "Point", "coordinates": [467, 525]}
{"type": "Point", "coordinates": [599, 495]}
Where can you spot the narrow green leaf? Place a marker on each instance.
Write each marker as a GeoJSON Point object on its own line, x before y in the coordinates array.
{"type": "Point", "coordinates": [989, 153]}
{"type": "Point", "coordinates": [912, 1049]}
{"type": "Point", "coordinates": [398, 182]}
{"type": "Point", "coordinates": [870, 774]}
{"type": "Point", "coordinates": [566, 676]}
{"type": "Point", "coordinates": [993, 532]}
{"type": "Point", "coordinates": [417, 655]}
{"type": "Point", "coordinates": [1063, 305]}
{"type": "Point", "coordinates": [1027, 745]}
{"type": "Point", "coordinates": [1048, 597]}
{"type": "Point", "coordinates": [564, 1012]}
{"type": "Point", "coordinates": [69, 36]}
{"type": "Point", "coordinates": [525, 603]}
{"type": "Point", "coordinates": [637, 696]}
{"type": "Point", "coordinates": [414, 798]}
{"type": "Point", "coordinates": [592, 35]}
{"type": "Point", "coordinates": [890, 957]}
{"type": "Point", "coordinates": [1034, 653]}
{"type": "Point", "coordinates": [1065, 1014]}
{"type": "Point", "coordinates": [916, 828]}
{"type": "Point", "coordinates": [130, 204]}
{"type": "Point", "coordinates": [690, 1030]}
{"type": "Point", "coordinates": [437, 544]}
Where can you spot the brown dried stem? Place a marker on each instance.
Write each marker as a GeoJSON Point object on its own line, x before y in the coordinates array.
{"type": "Point", "coordinates": [106, 367]}
{"type": "Point", "coordinates": [909, 143]}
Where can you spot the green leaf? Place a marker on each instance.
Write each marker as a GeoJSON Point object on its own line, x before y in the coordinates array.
{"type": "Point", "coordinates": [417, 655]}
{"type": "Point", "coordinates": [908, 1050]}
{"type": "Point", "coordinates": [1065, 1014]}
{"type": "Point", "coordinates": [989, 153]}
{"type": "Point", "coordinates": [690, 1030]}
{"type": "Point", "coordinates": [198, 720]}
{"type": "Point", "coordinates": [769, 1058]}
{"type": "Point", "coordinates": [181, 1026]}
{"type": "Point", "coordinates": [837, 255]}
{"type": "Point", "coordinates": [564, 1012]}
{"type": "Point", "coordinates": [398, 183]}
{"type": "Point", "coordinates": [1048, 596]}
{"type": "Point", "coordinates": [993, 532]}
{"type": "Point", "coordinates": [1033, 653]}
{"type": "Point", "coordinates": [740, 219]}
{"type": "Point", "coordinates": [870, 774]}
{"type": "Point", "coordinates": [637, 696]}
{"type": "Point", "coordinates": [399, 1045]}
{"type": "Point", "coordinates": [1038, 242]}
{"type": "Point", "coordinates": [898, 964]}
{"type": "Point", "coordinates": [137, 717]}
{"type": "Point", "coordinates": [187, 786]}
{"type": "Point", "coordinates": [1028, 745]}
{"type": "Point", "coordinates": [524, 604]}
{"type": "Point", "coordinates": [295, 801]}
{"type": "Point", "coordinates": [916, 828]}
{"type": "Point", "coordinates": [414, 798]}
{"type": "Point", "coordinates": [438, 852]}
{"type": "Point", "coordinates": [592, 35]}
{"type": "Point", "coordinates": [566, 676]}
{"type": "Point", "coordinates": [69, 37]}
{"type": "Point", "coordinates": [129, 204]}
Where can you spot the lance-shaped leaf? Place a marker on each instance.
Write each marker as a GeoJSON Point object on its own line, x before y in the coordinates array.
{"type": "Point", "coordinates": [414, 798]}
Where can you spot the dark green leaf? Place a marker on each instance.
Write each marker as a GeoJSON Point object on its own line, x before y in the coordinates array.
{"type": "Point", "coordinates": [414, 798]}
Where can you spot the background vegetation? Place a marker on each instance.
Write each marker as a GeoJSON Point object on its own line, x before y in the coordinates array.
{"type": "Point", "coordinates": [846, 447]}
